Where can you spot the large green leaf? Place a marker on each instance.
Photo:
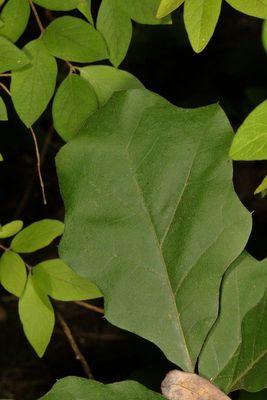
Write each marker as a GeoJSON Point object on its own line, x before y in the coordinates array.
{"type": "Point", "coordinates": [264, 35]}
{"type": "Point", "coordinates": [74, 101]}
{"type": "Point", "coordinates": [250, 141]}
{"type": "Point", "coordinates": [84, 6]}
{"type": "Point", "coordinates": [37, 235]}
{"type": "Point", "coordinates": [37, 316]}
{"type": "Point", "coordinates": [237, 346]}
{"type": "Point", "coordinates": [3, 111]}
{"type": "Point", "coordinates": [167, 6]}
{"type": "Point", "coordinates": [15, 16]}
{"type": "Point", "coordinates": [73, 39]}
{"type": "Point", "coordinates": [106, 80]}
{"type": "Point", "coordinates": [116, 27]}
{"type": "Point", "coordinates": [256, 8]}
{"type": "Point", "coordinates": [13, 273]}
{"type": "Point", "coordinates": [73, 388]}
{"type": "Point", "coordinates": [10, 229]}
{"type": "Point", "coordinates": [33, 86]}
{"type": "Point", "coordinates": [11, 57]}
{"type": "Point", "coordinates": [138, 183]}
{"type": "Point", "coordinates": [57, 280]}
{"type": "Point", "coordinates": [200, 19]}
{"type": "Point", "coordinates": [144, 12]}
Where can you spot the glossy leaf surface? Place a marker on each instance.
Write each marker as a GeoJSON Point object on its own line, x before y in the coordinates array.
{"type": "Point", "coordinates": [15, 16]}
{"type": "Point", "coordinates": [116, 27]}
{"type": "Point", "coordinates": [57, 280]}
{"type": "Point", "coordinates": [13, 273]}
{"type": "Point", "coordinates": [107, 80]}
{"type": "Point", "coordinates": [37, 235]}
{"type": "Point", "coordinates": [235, 351]}
{"type": "Point", "coordinates": [11, 228]}
{"type": "Point", "coordinates": [73, 388]}
{"type": "Point", "coordinates": [137, 183]}
{"type": "Point", "coordinates": [73, 39]}
{"type": "Point", "coordinates": [250, 141]}
{"type": "Point", "coordinates": [74, 102]}
{"type": "Point", "coordinates": [200, 19]}
{"type": "Point", "coordinates": [11, 57]}
{"type": "Point", "coordinates": [33, 86]}
{"type": "Point", "coordinates": [37, 316]}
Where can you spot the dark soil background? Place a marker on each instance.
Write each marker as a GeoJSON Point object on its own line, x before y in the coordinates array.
{"type": "Point", "coordinates": [231, 71]}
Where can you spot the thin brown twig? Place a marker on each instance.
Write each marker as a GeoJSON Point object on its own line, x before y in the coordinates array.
{"type": "Point", "coordinates": [5, 88]}
{"type": "Point", "coordinates": [39, 22]}
{"type": "Point", "coordinates": [74, 346]}
{"type": "Point", "coordinates": [90, 307]}
{"type": "Point", "coordinates": [5, 75]}
{"type": "Point", "coordinates": [3, 247]}
{"type": "Point", "coordinates": [38, 165]}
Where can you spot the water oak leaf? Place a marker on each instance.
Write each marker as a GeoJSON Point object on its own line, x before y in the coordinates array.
{"type": "Point", "coordinates": [74, 102]}
{"type": "Point", "coordinates": [116, 28]}
{"type": "Point", "coordinates": [15, 16]}
{"type": "Point", "coordinates": [37, 235]}
{"type": "Point", "coordinates": [37, 316]}
{"type": "Point", "coordinates": [33, 86]}
{"type": "Point", "coordinates": [10, 229]}
{"type": "Point", "coordinates": [57, 280]}
{"type": "Point", "coordinates": [73, 39]}
{"type": "Point", "coordinates": [138, 183]}
{"type": "Point", "coordinates": [179, 385]}
{"type": "Point", "coordinates": [11, 57]}
{"type": "Point", "coordinates": [3, 111]}
{"type": "Point", "coordinates": [200, 18]}
{"type": "Point", "coordinates": [13, 273]}
{"type": "Point", "coordinates": [1, 157]}
{"type": "Point", "coordinates": [255, 8]}
{"type": "Point", "coordinates": [84, 6]}
{"type": "Point", "coordinates": [168, 6]}
{"type": "Point", "coordinates": [144, 12]}
{"type": "Point", "coordinates": [264, 35]}
{"type": "Point", "coordinates": [236, 346]}
{"type": "Point", "coordinates": [106, 80]}
{"type": "Point", "coordinates": [250, 141]}
{"type": "Point", "coordinates": [83, 389]}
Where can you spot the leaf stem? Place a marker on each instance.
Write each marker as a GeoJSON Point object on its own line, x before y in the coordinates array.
{"type": "Point", "coordinates": [38, 165]}
{"type": "Point", "coordinates": [90, 307]}
{"type": "Point", "coordinates": [5, 88]}
{"type": "Point", "coordinates": [5, 75]}
{"type": "Point", "coordinates": [74, 346]}
{"type": "Point", "coordinates": [3, 247]}
{"type": "Point", "coordinates": [39, 22]}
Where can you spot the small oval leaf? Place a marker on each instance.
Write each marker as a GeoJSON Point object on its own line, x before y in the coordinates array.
{"type": "Point", "coordinates": [200, 21]}
{"type": "Point", "coordinates": [250, 141]}
{"type": "Point", "coordinates": [73, 39]}
{"type": "Point", "coordinates": [255, 8]}
{"type": "Point", "coordinates": [37, 235]}
{"type": "Point", "coordinates": [10, 229]}
{"type": "Point", "coordinates": [74, 102]}
{"type": "Point", "coordinates": [37, 316]}
{"type": "Point", "coordinates": [13, 273]}
{"type": "Point", "coordinates": [33, 86]}
{"type": "Point", "coordinates": [15, 16]}
{"type": "Point", "coordinates": [57, 280]}
{"type": "Point", "coordinates": [116, 27]}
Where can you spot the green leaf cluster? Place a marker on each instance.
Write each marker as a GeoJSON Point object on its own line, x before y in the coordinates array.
{"type": "Point", "coordinates": [34, 285]}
